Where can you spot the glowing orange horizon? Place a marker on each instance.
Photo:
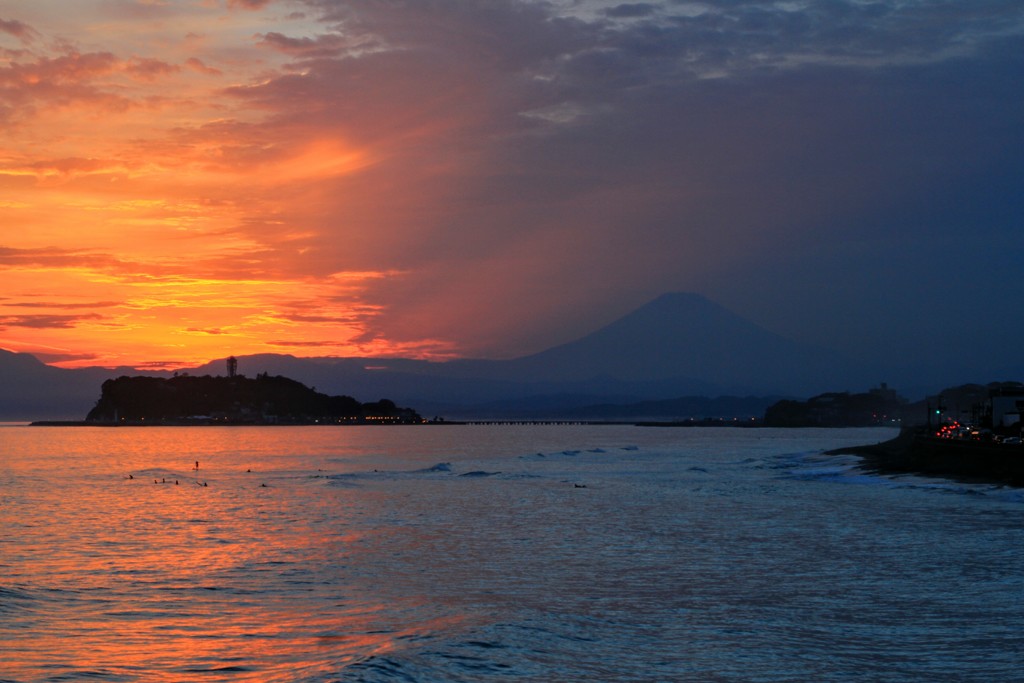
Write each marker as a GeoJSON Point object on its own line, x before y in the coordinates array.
{"type": "Point", "coordinates": [153, 215]}
{"type": "Point", "coordinates": [171, 321]}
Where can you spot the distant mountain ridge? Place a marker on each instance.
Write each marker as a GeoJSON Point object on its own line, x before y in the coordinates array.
{"type": "Point", "coordinates": [30, 389]}
{"type": "Point", "coordinates": [678, 345]}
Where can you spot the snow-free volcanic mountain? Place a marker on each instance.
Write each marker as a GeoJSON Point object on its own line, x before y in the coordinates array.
{"type": "Point", "coordinates": [685, 336]}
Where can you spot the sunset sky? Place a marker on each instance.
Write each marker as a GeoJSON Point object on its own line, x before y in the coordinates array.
{"type": "Point", "coordinates": [185, 179]}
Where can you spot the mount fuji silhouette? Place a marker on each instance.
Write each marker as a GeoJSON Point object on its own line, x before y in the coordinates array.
{"type": "Point", "coordinates": [684, 335]}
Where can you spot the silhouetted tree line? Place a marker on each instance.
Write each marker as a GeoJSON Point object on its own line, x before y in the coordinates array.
{"type": "Point", "coordinates": [235, 399]}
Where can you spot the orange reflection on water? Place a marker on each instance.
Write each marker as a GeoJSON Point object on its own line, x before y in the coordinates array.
{"type": "Point", "coordinates": [273, 645]}
{"type": "Point", "coordinates": [257, 575]}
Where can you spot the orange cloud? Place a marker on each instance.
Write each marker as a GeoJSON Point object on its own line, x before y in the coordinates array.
{"type": "Point", "coordinates": [150, 69]}
{"type": "Point", "coordinates": [197, 65]}
{"type": "Point", "coordinates": [158, 207]}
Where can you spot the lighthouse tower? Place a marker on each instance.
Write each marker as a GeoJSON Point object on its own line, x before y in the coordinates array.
{"type": "Point", "coordinates": [232, 366]}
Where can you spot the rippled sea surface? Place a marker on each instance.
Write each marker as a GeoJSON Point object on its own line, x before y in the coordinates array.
{"type": "Point", "coordinates": [494, 553]}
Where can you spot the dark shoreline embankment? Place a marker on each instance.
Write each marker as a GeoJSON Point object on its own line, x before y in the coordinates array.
{"type": "Point", "coordinates": [914, 452]}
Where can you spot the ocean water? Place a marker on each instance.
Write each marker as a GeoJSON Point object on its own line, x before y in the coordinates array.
{"type": "Point", "coordinates": [496, 553]}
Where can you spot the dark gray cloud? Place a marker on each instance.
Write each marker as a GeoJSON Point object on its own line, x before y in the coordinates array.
{"type": "Point", "coordinates": [307, 48]}
{"type": "Point", "coordinates": [565, 162]}
{"type": "Point", "coordinates": [630, 10]}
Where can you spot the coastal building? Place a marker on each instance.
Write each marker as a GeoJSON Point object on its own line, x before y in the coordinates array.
{"type": "Point", "coordinates": [1006, 402]}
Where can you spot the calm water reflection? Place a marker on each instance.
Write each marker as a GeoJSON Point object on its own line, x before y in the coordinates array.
{"type": "Point", "coordinates": [493, 553]}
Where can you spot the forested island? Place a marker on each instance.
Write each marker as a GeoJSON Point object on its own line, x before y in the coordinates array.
{"type": "Point", "coordinates": [236, 399]}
